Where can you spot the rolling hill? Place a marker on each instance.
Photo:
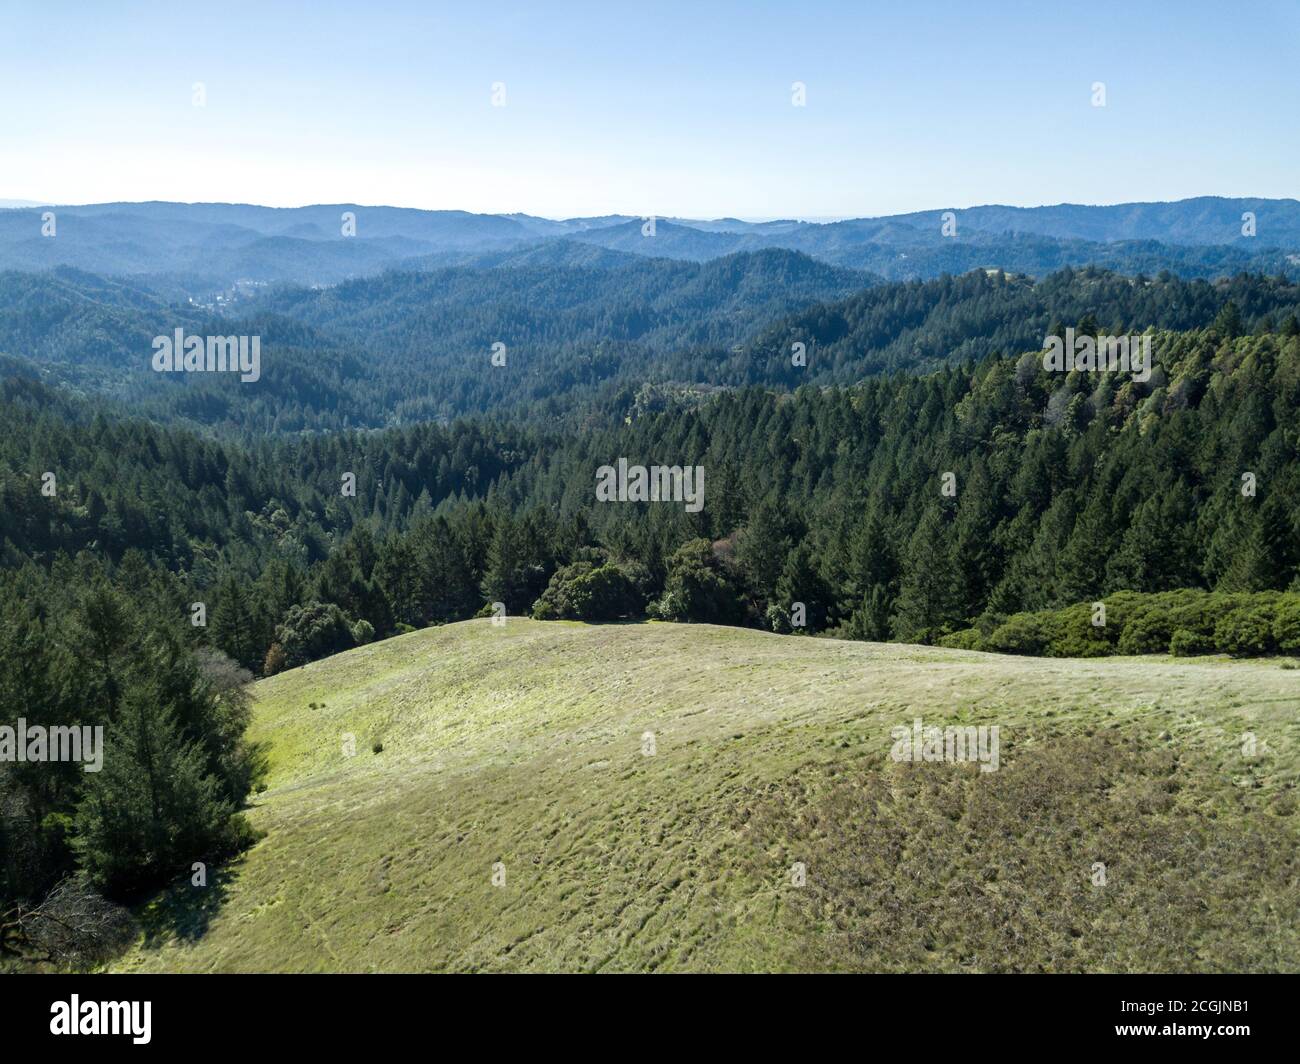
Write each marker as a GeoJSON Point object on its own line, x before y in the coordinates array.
{"type": "Point", "coordinates": [193, 249]}
{"type": "Point", "coordinates": [642, 794]}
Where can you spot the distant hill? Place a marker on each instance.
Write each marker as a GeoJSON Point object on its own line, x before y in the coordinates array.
{"type": "Point", "coordinates": [1203, 220]}
{"type": "Point", "coordinates": [923, 324]}
{"type": "Point", "coordinates": [397, 347]}
{"type": "Point", "coordinates": [188, 248]}
{"type": "Point", "coordinates": [585, 295]}
{"type": "Point", "coordinates": [550, 796]}
{"type": "Point", "coordinates": [581, 325]}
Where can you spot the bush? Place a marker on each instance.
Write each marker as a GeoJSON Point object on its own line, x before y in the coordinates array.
{"type": "Point", "coordinates": [1074, 644]}
{"type": "Point", "coordinates": [1286, 625]}
{"type": "Point", "coordinates": [1185, 643]}
{"type": "Point", "coordinates": [1185, 622]}
{"type": "Point", "coordinates": [584, 591]}
{"type": "Point", "coordinates": [73, 927]}
{"type": "Point", "coordinates": [1147, 631]}
{"type": "Point", "coordinates": [1023, 633]}
{"type": "Point", "coordinates": [966, 639]}
{"type": "Point", "coordinates": [1077, 637]}
{"type": "Point", "coordinates": [1246, 632]}
{"type": "Point", "coordinates": [363, 632]}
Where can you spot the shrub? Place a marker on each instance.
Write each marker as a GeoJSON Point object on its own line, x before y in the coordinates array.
{"type": "Point", "coordinates": [966, 639]}
{"type": "Point", "coordinates": [1238, 623]}
{"type": "Point", "coordinates": [1245, 632]}
{"type": "Point", "coordinates": [1074, 644]}
{"type": "Point", "coordinates": [1076, 636]}
{"type": "Point", "coordinates": [584, 591]}
{"type": "Point", "coordinates": [1198, 612]}
{"type": "Point", "coordinates": [1147, 631]}
{"type": "Point", "coordinates": [1185, 643]}
{"type": "Point", "coordinates": [1023, 633]}
{"type": "Point", "coordinates": [697, 588]}
{"type": "Point", "coordinates": [1286, 625]}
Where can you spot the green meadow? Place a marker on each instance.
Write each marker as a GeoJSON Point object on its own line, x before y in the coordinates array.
{"type": "Point", "coordinates": [644, 797]}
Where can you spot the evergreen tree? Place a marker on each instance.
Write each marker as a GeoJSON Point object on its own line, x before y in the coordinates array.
{"type": "Point", "coordinates": [927, 599]}
{"type": "Point", "coordinates": [151, 810]}
{"type": "Point", "coordinates": [232, 627]}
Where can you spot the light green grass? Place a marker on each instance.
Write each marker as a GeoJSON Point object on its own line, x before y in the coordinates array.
{"type": "Point", "coordinates": [522, 744]}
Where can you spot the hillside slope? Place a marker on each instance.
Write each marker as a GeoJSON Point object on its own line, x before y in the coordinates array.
{"type": "Point", "coordinates": [526, 745]}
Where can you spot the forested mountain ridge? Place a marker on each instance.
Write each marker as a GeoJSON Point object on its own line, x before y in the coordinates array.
{"type": "Point", "coordinates": [658, 303]}
{"type": "Point", "coordinates": [1065, 486]}
{"type": "Point", "coordinates": [190, 248]}
{"type": "Point", "coordinates": [406, 347]}
{"type": "Point", "coordinates": [954, 319]}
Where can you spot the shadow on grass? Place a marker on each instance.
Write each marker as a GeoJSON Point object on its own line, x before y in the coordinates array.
{"type": "Point", "coordinates": [183, 912]}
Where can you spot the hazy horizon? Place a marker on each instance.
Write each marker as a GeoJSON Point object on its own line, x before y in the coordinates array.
{"type": "Point", "coordinates": [30, 204]}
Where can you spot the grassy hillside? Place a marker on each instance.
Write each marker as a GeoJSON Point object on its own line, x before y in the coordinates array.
{"type": "Point", "coordinates": [524, 744]}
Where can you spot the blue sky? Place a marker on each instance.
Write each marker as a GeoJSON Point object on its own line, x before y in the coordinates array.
{"type": "Point", "coordinates": [667, 109]}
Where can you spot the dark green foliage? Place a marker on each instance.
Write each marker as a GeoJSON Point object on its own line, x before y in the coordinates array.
{"type": "Point", "coordinates": [1185, 644]}
{"type": "Point", "coordinates": [697, 588]}
{"type": "Point", "coordinates": [928, 601]}
{"type": "Point", "coordinates": [406, 347]}
{"type": "Point", "coordinates": [1181, 623]}
{"type": "Point", "coordinates": [826, 497]}
{"type": "Point", "coordinates": [153, 809]}
{"type": "Point", "coordinates": [586, 591]}
{"type": "Point", "coordinates": [803, 599]}
{"type": "Point", "coordinates": [519, 561]}
{"type": "Point", "coordinates": [313, 631]}
{"type": "Point", "coordinates": [1246, 632]}
{"type": "Point", "coordinates": [1286, 624]}
{"type": "Point", "coordinates": [83, 648]}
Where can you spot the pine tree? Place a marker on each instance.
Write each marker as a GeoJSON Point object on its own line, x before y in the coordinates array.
{"type": "Point", "coordinates": [152, 809]}
{"type": "Point", "coordinates": [800, 582]}
{"type": "Point", "coordinates": [763, 549]}
{"type": "Point", "coordinates": [232, 626]}
{"type": "Point", "coordinates": [927, 599]}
